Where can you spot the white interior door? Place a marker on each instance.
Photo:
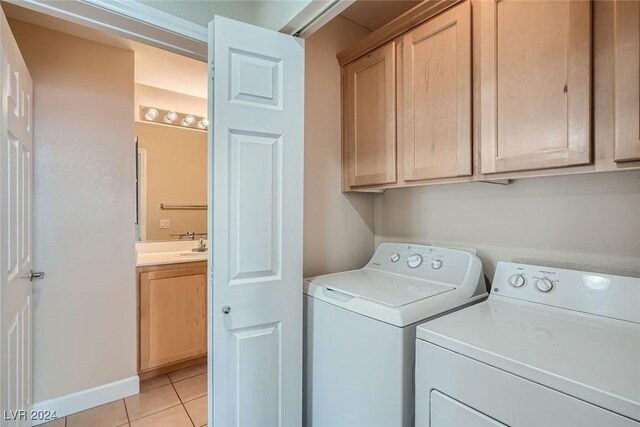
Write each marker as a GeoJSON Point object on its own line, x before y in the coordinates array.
{"type": "Point", "coordinates": [16, 161]}
{"type": "Point", "coordinates": [256, 170]}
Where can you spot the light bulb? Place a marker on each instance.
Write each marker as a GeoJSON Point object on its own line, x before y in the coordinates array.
{"type": "Point", "coordinates": [189, 119]}
{"type": "Point", "coordinates": [203, 123]}
{"type": "Point", "coordinates": [170, 117]}
{"type": "Point", "coordinates": [151, 114]}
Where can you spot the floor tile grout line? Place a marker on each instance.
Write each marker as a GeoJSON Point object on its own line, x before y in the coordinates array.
{"type": "Point", "coordinates": [182, 403]}
{"type": "Point", "coordinates": [126, 410]}
{"type": "Point", "coordinates": [177, 394]}
{"type": "Point", "coordinates": [189, 415]}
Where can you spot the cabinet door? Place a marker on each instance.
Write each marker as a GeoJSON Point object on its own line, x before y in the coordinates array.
{"type": "Point", "coordinates": [437, 97]}
{"type": "Point", "coordinates": [370, 117]}
{"type": "Point", "coordinates": [627, 80]}
{"type": "Point", "coordinates": [535, 84]}
{"type": "Point", "coordinates": [173, 322]}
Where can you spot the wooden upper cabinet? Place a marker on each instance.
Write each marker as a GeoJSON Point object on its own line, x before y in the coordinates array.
{"type": "Point", "coordinates": [535, 71]}
{"type": "Point", "coordinates": [436, 97]}
{"type": "Point", "coordinates": [627, 80]}
{"type": "Point", "coordinates": [369, 94]}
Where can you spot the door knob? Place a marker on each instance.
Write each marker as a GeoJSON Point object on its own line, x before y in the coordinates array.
{"type": "Point", "coordinates": [34, 275]}
{"type": "Point", "coordinates": [226, 309]}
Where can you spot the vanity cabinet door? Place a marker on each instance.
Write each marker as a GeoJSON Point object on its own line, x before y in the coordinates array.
{"type": "Point", "coordinates": [369, 121]}
{"type": "Point", "coordinates": [436, 85]}
{"type": "Point", "coordinates": [535, 72]}
{"type": "Point", "coordinates": [627, 80]}
{"type": "Point", "coordinates": [173, 315]}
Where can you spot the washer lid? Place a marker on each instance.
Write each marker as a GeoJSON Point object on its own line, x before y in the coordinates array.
{"type": "Point", "coordinates": [383, 288]}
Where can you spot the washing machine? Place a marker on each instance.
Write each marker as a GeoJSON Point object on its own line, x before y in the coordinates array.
{"type": "Point", "coordinates": [360, 331]}
{"type": "Point", "coordinates": [549, 347]}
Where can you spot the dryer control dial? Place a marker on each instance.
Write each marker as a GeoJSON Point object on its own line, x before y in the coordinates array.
{"type": "Point", "coordinates": [414, 261]}
{"type": "Point", "coordinates": [544, 285]}
{"type": "Point", "coordinates": [395, 257]}
{"type": "Point", "coordinates": [436, 264]}
{"type": "Point", "coordinates": [517, 280]}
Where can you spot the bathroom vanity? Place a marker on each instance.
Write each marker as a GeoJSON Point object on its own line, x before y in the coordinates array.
{"type": "Point", "coordinates": [172, 309]}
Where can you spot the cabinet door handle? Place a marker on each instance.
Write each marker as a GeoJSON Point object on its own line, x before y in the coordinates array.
{"type": "Point", "coordinates": [226, 309]}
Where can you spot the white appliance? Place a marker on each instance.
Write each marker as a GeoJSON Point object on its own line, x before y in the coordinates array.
{"type": "Point", "coordinates": [550, 347]}
{"type": "Point", "coordinates": [360, 331]}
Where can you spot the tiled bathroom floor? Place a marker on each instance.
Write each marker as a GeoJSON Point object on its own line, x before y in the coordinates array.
{"type": "Point", "coordinates": [174, 400]}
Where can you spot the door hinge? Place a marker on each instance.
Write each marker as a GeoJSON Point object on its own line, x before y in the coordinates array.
{"type": "Point", "coordinates": [213, 69]}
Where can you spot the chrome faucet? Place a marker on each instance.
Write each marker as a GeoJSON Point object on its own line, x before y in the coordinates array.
{"type": "Point", "coordinates": [202, 246]}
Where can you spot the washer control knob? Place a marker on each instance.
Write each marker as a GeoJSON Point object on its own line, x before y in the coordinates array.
{"type": "Point", "coordinates": [436, 264]}
{"type": "Point", "coordinates": [395, 257]}
{"type": "Point", "coordinates": [414, 261]}
{"type": "Point", "coordinates": [544, 285]}
{"type": "Point", "coordinates": [517, 280]}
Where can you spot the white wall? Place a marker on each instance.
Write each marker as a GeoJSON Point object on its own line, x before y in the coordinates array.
{"type": "Point", "coordinates": [84, 209]}
{"type": "Point", "coordinates": [589, 222]}
{"type": "Point", "coordinates": [338, 228]}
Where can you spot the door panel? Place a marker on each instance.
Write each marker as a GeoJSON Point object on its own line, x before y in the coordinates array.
{"type": "Point", "coordinates": [437, 97]}
{"type": "Point", "coordinates": [256, 353]}
{"type": "Point", "coordinates": [627, 80]}
{"type": "Point", "coordinates": [255, 206]}
{"type": "Point", "coordinates": [256, 173]}
{"type": "Point", "coordinates": [536, 84]}
{"type": "Point", "coordinates": [15, 228]}
{"type": "Point", "coordinates": [369, 94]}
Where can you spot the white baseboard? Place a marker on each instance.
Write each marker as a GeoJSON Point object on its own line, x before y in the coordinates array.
{"type": "Point", "coordinates": [79, 401]}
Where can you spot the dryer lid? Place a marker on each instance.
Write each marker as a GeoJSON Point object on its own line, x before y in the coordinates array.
{"type": "Point", "coordinates": [383, 288]}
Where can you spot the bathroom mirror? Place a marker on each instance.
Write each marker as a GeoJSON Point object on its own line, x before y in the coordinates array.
{"type": "Point", "coordinates": [171, 182]}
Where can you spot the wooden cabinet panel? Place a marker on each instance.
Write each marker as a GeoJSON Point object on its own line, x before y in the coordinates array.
{"type": "Point", "coordinates": [369, 86]}
{"type": "Point", "coordinates": [173, 315]}
{"type": "Point", "coordinates": [627, 80]}
{"type": "Point", "coordinates": [535, 84]}
{"type": "Point", "coordinates": [436, 85]}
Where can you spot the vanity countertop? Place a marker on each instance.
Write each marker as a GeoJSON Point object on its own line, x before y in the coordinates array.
{"type": "Point", "coordinates": [161, 258]}
{"type": "Point", "coordinates": [160, 253]}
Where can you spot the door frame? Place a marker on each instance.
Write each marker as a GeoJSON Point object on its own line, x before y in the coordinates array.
{"type": "Point", "coordinates": [141, 159]}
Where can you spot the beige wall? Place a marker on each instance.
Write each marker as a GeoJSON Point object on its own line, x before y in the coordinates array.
{"type": "Point", "coordinates": [176, 173]}
{"type": "Point", "coordinates": [589, 222]}
{"type": "Point", "coordinates": [338, 228]}
{"type": "Point", "coordinates": [84, 198]}
{"type": "Point", "coordinates": [150, 96]}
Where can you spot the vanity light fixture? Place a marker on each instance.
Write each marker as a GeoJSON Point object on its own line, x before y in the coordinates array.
{"type": "Point", "coordinates": [173, 118]}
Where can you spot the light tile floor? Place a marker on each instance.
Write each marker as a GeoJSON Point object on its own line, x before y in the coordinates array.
{"type": "Point", "coordinates": [174, 400]}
